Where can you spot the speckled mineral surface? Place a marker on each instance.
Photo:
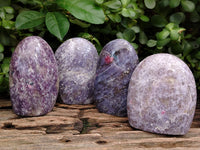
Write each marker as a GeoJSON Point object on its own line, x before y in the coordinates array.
{"type": "Point", "coordinates": [117, 61]}
{"type": "Point", "coordinates": [77, 62]}
{"type": "Point", "coordinates": [33, 77]}
{"type": "Point", "coordinates": [162, 95]}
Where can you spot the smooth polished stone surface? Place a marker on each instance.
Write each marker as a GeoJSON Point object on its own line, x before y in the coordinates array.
{"type": "Point", "coordinates": [33, 77]}
{"type": "Point", "coordinates": [117, 61]}
{"type": "Point", "coordinates": [77, 62]}
{"type": "Point", "coordinates": [162, 95]}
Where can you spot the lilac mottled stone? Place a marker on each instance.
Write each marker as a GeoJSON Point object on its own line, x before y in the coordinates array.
{"type": "Point", "coordinates": [162, 95]}
{"type": "Point", "coordinates": [77, 62]}
{"type": "Point", "coordinates": [117, 61]}
{"type": "Point", "coordinates": [33, 77]}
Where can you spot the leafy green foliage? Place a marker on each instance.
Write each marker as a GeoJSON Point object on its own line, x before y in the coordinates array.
{"type": "Point", "coordinates": [57, 24]}
{"type": "Point", "coordinates": [177, 18]}
{"type": "Point", "coordinates": [4, 75]}
{"type": "Point", "coordinates": [1, 56]}
{"type": "Point", "coordinates": [29, 19]}
{"type": "Point", "coordinates": [7, 41]}
{"type": "Point", "coordinates": [188, 6]}
{"type": "Point", "coordinates": [113, 4]}
{"type": "Point", "coordinates": [151, 26]}
{"type": "Point", "coordinates": [142, 38]}
{"type": "Point", "coordinates": [150, 3]}
{"type": "Point", "coordinates": [158, 21]}
{"type": "Point", "coordinates": [1, 48]}
{"type": "Point", "coordinates": [86, 10]}
{"type": "Point", "coordinates": [144, 18]}
{"type": "Point", "coordinates": [174, 3]}
{"type": "Point", "coordinates": [151, 43]}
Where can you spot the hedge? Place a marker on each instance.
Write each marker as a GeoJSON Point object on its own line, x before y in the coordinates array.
{"type": "Point", "coordinates": [151, 26]}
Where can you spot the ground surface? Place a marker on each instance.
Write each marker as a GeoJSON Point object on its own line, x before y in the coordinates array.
{"type": "Point", "coordinates": [83, 127]}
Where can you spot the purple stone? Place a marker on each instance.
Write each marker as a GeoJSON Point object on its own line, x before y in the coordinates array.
{"type": "Point", "coordinates": [77, 62]}
{"type": "Point", "coordinates": [33, 77]}
{"type": "Point", "coordinates": [117, 61]}
{"type": "Point", "coordinates": [162, 95]}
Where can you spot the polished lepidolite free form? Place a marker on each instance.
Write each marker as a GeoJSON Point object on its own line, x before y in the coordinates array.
{"type": "Point", "coordinates": [77, 62]}
{"type": "Point", "coordinates": [33, 77]}
{"type": "Point", "coordinates": [117, 61]}
{"type": "Point", "coordinates": [162, 95]}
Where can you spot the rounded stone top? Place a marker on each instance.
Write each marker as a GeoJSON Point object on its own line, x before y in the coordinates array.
{"type": "Point", "coordinates": [162, 95]}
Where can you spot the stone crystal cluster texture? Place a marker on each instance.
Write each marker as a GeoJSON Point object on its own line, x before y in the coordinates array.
{"type": "Point", "coordinates": [162, 95]}
{"type": "Point", "coordinates": [117, 61]}
{"type": "Point", "coordinates": [77, 62]}
{"type": "Point", "coordinates": [33, 77]}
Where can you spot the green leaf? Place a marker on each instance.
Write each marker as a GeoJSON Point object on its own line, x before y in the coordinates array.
{"type": "Point", "coordinates": [158, 21]}
{"type": "Point", "coordinates": [2, 13]}
{"type": "Point", "coordinates": [177, 17]}
{"type": "Point", "coordinates": [163, 3]}
{"type": "Point", "coordinates": [144, 18]}
{"type": "Point", "coordinates": [187, 48]}
{"type": "Point", "coordinates": [114, 4]}
{"type": "Point", "coordinates": [6, 60]}
{"type": "Point", "coordinates": [80, 23]}
{"type": "Point", "coordinates": [9, 16]}
{"type": "Point", "coordinates": [162, 35]}
{"type": "Point", "coordinates": [57, 24]}
{"type": "Point", "coordinates": [7, 24]}
{"type": "Point", "coordinates": [151, 43]}
{"type": "Point", "coordinates": [119, 35]}
{"type": "Point", "coordinates": [128, 23]}
{"type": "Point", "coordinates": [9, 9]}
{"type": "Point", "coordinates": [5, 67]}
{"type": "Point", "coordinates": [188, 6]}
{"type": "Point", "coordinates": [129, 35]}
{"type": "Point", "coordinates": [1, 79]}
{"type": "Point", "coordinates": [170, 26]}
{"type": "Point", "coordinates": [164, 42]}
{"type": "Point", "coordinates": [143, 38]}
{"type": "Point", "coordinates": [1, 48]}
{"type": "Point", "coordinates": [180, 30]}
{"type": "Point", "coordinates": [136, 29]}
{"type": "Point", "coordinates": [135, 46]}
{"type": "Point", "coordinates": [174, 35]}
{"type": "Point", "coordinates": [99, 1]}
{"type": "Point", "coordinates": [132, 13]}
{"type": "Point", "coordinates": [29, 19]}
{"type": "Point", "coordinates": [150, 3]}
{"type": "Point", "coordinates": [115, 17]}
{"type": "Point", "coordinates": [125, 2]}
{"type": "Point", "coordinates": [128, 12]}
{"type": "Point", "coordinates": [85, 10]}
{"type": "Point", "coordinates": [1, 56]}
{"type": "Point", "coordinates": [125, 12]}
{"type": "Point", "coordinates": [174, 3]}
